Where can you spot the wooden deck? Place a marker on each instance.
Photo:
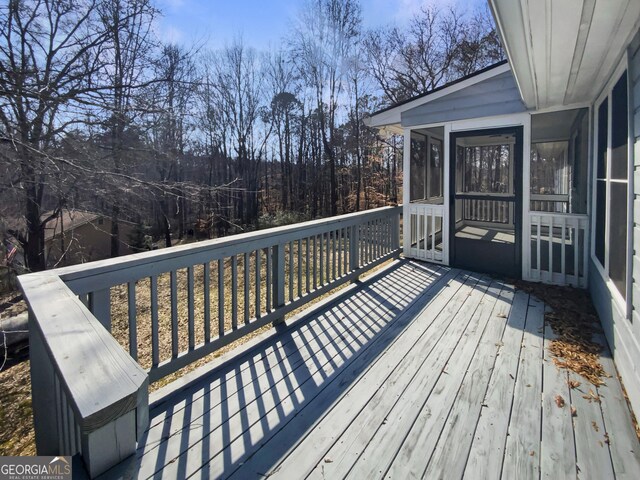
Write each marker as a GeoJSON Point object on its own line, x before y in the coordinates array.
{"type": "Point", "coordinates": [420, 372]}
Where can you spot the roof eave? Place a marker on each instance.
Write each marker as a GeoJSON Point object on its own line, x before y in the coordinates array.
{"type": "Point", "coordinates": [393, 116]}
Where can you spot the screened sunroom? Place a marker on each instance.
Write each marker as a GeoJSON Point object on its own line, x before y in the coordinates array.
{"type": "Point", "coordinates": [491, 186]}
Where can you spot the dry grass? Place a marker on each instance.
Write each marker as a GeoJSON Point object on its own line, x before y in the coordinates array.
{"type": "Point", "coordinates": [16, 419]}
{"type": "Point", "coordinates": [11, 304]}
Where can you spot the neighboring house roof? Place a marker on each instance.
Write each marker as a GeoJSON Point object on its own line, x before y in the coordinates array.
{"type": "Point", "coordinates": [564, 52]}
{"type": "Point", "coordinates": [392, 116]}
{"type": "Point", "coordinates": [68, 221]}
{"type": "Point", "coordinates": [71, 219]}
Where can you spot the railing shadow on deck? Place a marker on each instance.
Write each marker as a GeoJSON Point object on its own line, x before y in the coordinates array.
{"type": "Point", "coordinates": [314, 355]}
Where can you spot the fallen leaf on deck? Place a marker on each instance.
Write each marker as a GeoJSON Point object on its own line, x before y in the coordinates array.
{"type": "Point", "coordinates": [559, 401]}
{"type": "Point", "coordinates": [574, 383]}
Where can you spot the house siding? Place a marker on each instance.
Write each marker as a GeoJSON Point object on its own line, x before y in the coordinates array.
{"type": "Point", "coordinates": [623, 334]}
{"type": "Point", "coordinates": [497, 95]}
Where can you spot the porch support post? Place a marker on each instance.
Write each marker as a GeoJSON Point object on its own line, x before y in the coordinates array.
{"type": "Point", "coordinates": [406, 194]}
{"type": "Point", "coordinates": [446, 194]}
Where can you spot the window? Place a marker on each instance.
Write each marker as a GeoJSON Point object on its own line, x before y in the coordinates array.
{"type": "Point", "coordinates": [427, 163]}
{"type": "Point", "coordinates": [550, 176]}
{"type": "Point", "coordinates": [559, 161]}
{"type": "Point", "coordinates": [612, 185]}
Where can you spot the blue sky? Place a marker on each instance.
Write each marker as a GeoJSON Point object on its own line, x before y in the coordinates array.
{"type": "Point", "coordinates": [263, 23]}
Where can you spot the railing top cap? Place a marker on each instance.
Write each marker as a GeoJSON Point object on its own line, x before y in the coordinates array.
{"type": "Point", "coordinates": [103, 266]}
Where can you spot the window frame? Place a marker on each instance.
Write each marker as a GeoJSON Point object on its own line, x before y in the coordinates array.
{"type": "Point", "coordinates": [623, 304]}
{"type": "Point", "coordinates": [429, 139]}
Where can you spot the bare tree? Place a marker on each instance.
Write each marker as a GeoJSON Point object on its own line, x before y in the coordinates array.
{"type": "Point", "coordinates": [438, 46]}
{"type": "Point", "coordinates": [321, 46]}
{"type": "Point", "coordinates": [126, 67]}
{"type": "Point", "coordinates": [50, 50]}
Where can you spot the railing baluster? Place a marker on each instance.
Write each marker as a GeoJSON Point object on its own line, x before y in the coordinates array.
{"type": "Point", "coordinates": [315, 262]}
{"type": "Point", "coordinates": [279, 272]}
{"type": "Point", "coordinates": [155, 352]}
{"type": "Point", "coordinates": [433, 237]}
{"type": "Point", "coordinates": [258, 283]}
{"type": "Point", "coordinates": [234, 292]}
{"type": "Point", "coordinates": [133, 323]}
{"type": "Point", "coordinates": [321, 241]}
{"type": "Point", "coordinates": [191, 309]}
{"type": "Point", "coordinates": [173, 286]}
{"type": "Point", "coordinates": [551, 249]}
{"type": "Point", "coordinates": [333, 254]}
{"type": "Point", "coordinates": [290, 271]}
{"type": "Point", "coordinates": [376, 239]}
{"type": "Point", "coordinates": [246, 287]}
{"type": "Point", "coordinates": [268, 252]}
{"type": "Point", "coordinates": [339, 234]}
{"type": "Point", "coordinates": [563, 269]}
{"type": "Point", "coordinates": [100, 306]}
{"type": "Point", "coordinates": [299, 267]}
{"type": "Point", "coordinates": [221, 326]}
{"type": "Point", "coordinates": [306, 265]}
{"type": "Point", "coordinates": [207, 301]}
{"type": "Point", "coordinates": [539, 246]}
{"type": "Point", "coordinates": [577, 254]}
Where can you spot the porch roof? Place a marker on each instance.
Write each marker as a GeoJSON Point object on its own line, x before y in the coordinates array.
{"type": "Point", "coordinates": [563, 53]}
{"type": "Point", "coordinates": [390, 118]}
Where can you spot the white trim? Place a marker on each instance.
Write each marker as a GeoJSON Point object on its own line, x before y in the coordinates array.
{"type": "Point", "coordinates": [630, 186]}
{"type": "Point", "coordinates": [526, 197]}
{"type": "Point", "coordinates": [447, 196]}
{"type": "Point", "coordinates": [498, 121]}
{"type": "Point", "coordinates": [561, 108]}
{"type": "Point", "coordinates": [393, 115]}
{"type": "Point", "coordinates": [406, 194]}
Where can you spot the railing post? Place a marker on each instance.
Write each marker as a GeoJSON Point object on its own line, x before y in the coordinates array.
{"type": "Point", "coordinates": [395, 231]}
{"type": "Point", "coordinates": [354, 250]}
{"type": "Point", "coordinates": [42, 393]}
{"type": "Point", "coordinates": [100, 306]}
{"type": "Point", "coordinates": [277, 252]}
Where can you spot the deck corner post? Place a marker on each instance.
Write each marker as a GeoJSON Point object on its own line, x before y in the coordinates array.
{"type": "Point", "coordinates": [45, 419]}
{"type": "Point", "coordinates": [109, 444]}
{"type": "Point", "coordinates": [278, 265]}
{"type": "Point", "coordinates": [113, 438]}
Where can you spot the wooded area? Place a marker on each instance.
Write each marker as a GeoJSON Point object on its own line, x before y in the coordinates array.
{"type": "Point", "coordinates": [98, 113]}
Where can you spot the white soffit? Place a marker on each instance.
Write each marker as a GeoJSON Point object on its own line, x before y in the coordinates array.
{"type": "Point", "coordinates": [390, 117]}
{"type": "Point", "coordinates": [563, 51]}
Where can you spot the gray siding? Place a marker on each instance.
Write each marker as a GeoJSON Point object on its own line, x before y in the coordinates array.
{"type": "Point", "coordinates": [498, 95]}
{"type": "Point", "coordinates": [623, 334]}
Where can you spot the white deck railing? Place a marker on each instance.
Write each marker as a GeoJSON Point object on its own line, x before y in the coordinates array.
{"type": "Point", "coordinates": [90, 396]}
{"type": "Point", "coordinates": [557, 252]}
{"type": "Point", "coordinates": [425, 240]}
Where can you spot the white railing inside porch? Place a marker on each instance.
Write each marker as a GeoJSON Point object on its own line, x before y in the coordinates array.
{"type": "Point", "coordinates": [90, 395]}
{"type": "Point", "coordinates": [557, 249]}
{"type": "Point", "coordinates": [492, 211]}
{"type": "Point", "coordinates": [425, 236]}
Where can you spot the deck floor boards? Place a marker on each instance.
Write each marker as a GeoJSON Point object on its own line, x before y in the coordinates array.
{"type": "Point", "coordinates": [421, 372]}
